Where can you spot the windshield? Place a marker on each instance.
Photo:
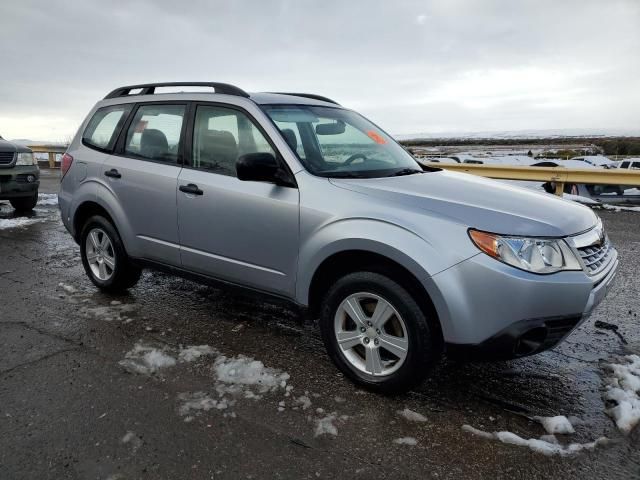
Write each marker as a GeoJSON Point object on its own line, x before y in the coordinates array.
{"type": "Point", "coordinates": [332, 142]}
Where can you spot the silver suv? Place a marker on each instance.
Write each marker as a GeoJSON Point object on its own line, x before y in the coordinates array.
{"type": "Point", "coordinates": [295, 196]}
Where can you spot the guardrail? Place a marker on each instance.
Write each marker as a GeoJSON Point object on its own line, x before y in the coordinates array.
{"type": "Point", "coordinates": [52, 150]}
{"type": "Point", "coordinates": [559, 175]}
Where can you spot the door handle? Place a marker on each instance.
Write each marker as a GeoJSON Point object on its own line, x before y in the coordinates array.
{"type": "Point", "coordinates": [113, 173]}
{"type": "Point", "coordinates": [192, 188]}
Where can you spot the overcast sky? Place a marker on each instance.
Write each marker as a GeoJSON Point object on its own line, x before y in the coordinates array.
{"type": "Point", "coordinates": [411, 66]}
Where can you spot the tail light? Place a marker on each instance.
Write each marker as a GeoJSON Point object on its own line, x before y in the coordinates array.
{"type": "Point", "coordinates": [65, 163]}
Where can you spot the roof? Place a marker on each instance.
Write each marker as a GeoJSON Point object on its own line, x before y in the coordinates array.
{"type": "Point", "coordinates": [265, 98]}
{"type": "Point", "coordinates": [148, 91]}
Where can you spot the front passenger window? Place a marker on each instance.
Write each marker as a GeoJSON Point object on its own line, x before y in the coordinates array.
{"type": "Point", "coordinates": [154, 133]}
{"type": "Point", "coordinates": [221, 135]}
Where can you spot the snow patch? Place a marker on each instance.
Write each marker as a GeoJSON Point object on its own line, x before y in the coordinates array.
{"type": "Point", "coordinates": [9, 223]}
{"type": "Point", "coordinates": [580, 199]}
{"type": "Point", "coordinates": [622, 391]}
{"type": "Point", "coordinates": [195, 403]}
{"type": "Point", "coordinates": [556, 425]}
{"type": "Point", "coordinates": [146, 360]}
{"type": "Point", "coordinates": [244, 375]}
{"type": "Point", "coordinates": [47, 199]}
{"type": "Point", "coordinates": [68, 288]}
{"type": "Point", "coordinates": [406, 441]}
{"type": "Point", "coordinates": [616, 208]}
{"type": "Point", "coordinates": [325, 426]}
{"type": "Point", "coordinates": [412, 416]}
{"type": "Point", "coordinates": [304, 401]}
{"type": "Point", "coordinates": [131, 438]}
{"type": "Point", "coordinates": [542, 445]}
{"type": "Point", "coordinates": [193, 352]}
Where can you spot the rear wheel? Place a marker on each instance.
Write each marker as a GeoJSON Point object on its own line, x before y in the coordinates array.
{"type": "Point", "coordinates": [377, 334]}
{"type": "Point", "coordinates": [104, 258]}
{"type": "Point", "coordinates": [25, 204]}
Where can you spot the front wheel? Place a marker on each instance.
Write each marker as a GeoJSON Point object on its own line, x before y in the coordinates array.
{"type": "Point", "coordinates": [104, 258]}
{"type": "Point", "coordinates": [377, 334]}
{"type": "Point", "coordinates": [25, 204]}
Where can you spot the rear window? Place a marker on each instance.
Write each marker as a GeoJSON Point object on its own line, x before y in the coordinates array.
{"type": "Point", "coordinates": [102, 130]}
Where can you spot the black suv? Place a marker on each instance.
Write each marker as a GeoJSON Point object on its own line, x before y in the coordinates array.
{"type": "Point", "coordinates": [19, 176]}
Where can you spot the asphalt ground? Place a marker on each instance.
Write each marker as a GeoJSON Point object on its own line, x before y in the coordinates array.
{"type": "Point", "coordinates": [69, 410]}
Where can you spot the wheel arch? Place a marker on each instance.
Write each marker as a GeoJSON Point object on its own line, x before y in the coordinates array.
{"type": "Point", "coordinates": [343, 262]}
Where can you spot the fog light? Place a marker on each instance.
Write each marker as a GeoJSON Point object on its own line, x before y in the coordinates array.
{"type": "Point", "coordinates": [31, 178]}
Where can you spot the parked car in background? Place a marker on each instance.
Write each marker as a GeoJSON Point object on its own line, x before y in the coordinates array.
{"type": "Point", "coordinates": [293, 196]}
{"type": "Point", "coordinates": [630, 164]}
{"type": "Point", "coordinates": [595, 160]}
{"type": "Point", "coordinates": [19, 176]}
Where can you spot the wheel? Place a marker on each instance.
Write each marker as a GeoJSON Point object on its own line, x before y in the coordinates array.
{"type": "Point", "coordinates": [24, 204]}
{"type": "Point", "coordinates": [104, 258]}
{"type": "Point", "coordinates": [377, 334]}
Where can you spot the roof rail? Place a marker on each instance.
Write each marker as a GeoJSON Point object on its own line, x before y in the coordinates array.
{"type": "Point", "coordinates": [149, 88]}
{"type": "Point", "coordinates": [308, 95]}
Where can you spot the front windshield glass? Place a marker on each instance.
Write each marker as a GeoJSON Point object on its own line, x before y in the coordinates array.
{"type": "Point", "coordinates": [332, 142]}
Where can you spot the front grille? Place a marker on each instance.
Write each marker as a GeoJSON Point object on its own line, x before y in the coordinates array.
{"type": "Point", "coordinates": [596, 257]}
{"type": "Point", "coordinates": [6, 158]}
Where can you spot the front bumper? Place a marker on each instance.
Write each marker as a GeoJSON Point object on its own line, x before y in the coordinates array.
{"type": "Point", "coordinates": [489, 310]}
{"type": "Point", "coordinates": [15, 182]}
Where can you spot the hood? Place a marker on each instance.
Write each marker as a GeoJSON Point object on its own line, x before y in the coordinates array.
{"type": "Point", "coordinates": [479, 203]}
{"type": "Point", "coordinates": [12, 147]}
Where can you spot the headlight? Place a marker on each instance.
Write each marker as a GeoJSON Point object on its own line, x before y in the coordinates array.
{"type": "Point", "coordinates": [25, 159]}
{"type": "Point", "coordinates": [537, 255]}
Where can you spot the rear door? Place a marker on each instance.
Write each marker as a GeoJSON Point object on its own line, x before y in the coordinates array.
{"type": "Point", "coordinates": [238, 231]}
{"type": "Point", "coordinates": [142, 175]}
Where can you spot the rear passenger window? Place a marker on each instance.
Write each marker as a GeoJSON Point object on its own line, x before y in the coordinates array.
{"type": "Point", "coordinates": [154, 133]}
{"type": "Point", "coordinates": [221, 135]}
{"type": "Point", "coordinates": [103, 128]}
{"type": "Point", "coordinates": [624, 165]}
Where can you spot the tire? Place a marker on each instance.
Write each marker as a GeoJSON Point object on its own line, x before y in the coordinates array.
{"type": "Point", "coordinates": [112, 270]}
{"type": "Point", "coordinates": [407, 326]}
{"type": "Point", "coordinates": [24, 204]}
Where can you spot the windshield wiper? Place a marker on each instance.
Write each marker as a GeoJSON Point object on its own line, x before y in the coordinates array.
{"type": "Point", "coordinates": [406, 171]}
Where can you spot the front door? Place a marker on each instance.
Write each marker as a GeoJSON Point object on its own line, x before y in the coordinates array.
{"type": "Point", "coordinates": [237, 231]}
{"type": "Point", "coordinates": [143, 177]}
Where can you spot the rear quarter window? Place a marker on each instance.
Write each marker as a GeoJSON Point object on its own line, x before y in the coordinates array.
{"type": "Point", "coordinates": [103, 128]}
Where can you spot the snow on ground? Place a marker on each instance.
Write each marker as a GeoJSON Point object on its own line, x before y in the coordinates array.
{"type": "Point", "coordinates": [197, 402]}
{"type": "Point", "coordinates": [68, 288]}
{"type": "Point", "coordinates": [326, 426]}
{"type": "Point", "coordinates": [146, 359]}
{"type": "Point", "coordinates": [622, 391]}
{"type": "Point", "coordinates": [20, 222]}
{"type": "Point", "coordinates": [617, 208]}
{"type": "Point", "coordinates": [406, 441]}
{"type": "Point", "coordinates": [194, 352]}
{"type": "Point", "coordinates": [48, 199]}
{"type": "Point", "coordinates": [412, 416]}
{"type": "Point", "coordinates": [244, 375]}
{"type": "Point", "coordinates": [558, 424]}
{"type": "Point", "coordinates": [579, 199]}
{"type": "Point", "coordinates": [304, 401]}
{"type": "Point", "coordinates": [547, 445]}
{"type": "Point", "coordinates": [130, 438]}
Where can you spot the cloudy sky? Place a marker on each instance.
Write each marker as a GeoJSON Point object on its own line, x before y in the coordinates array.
{"type": "Point", "coordinates": [411, 66]}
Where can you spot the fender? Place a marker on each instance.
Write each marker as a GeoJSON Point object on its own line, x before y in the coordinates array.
{"type": "Point", "coordinates": [400, 245]}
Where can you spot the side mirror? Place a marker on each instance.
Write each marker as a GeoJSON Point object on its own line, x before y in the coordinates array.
{"type": "Point", "coordinates": [262, 167]}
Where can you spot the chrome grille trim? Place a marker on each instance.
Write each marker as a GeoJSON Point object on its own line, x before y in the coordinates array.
{"type": "Point", "coordinates": [595, 249]}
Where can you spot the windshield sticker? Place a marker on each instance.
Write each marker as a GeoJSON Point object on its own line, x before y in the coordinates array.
{"type": "Point", "coordinates": [376, 137]}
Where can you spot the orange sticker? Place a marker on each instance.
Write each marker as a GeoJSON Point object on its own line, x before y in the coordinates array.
{"type": "Point", "coordinates": [376, 137]}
